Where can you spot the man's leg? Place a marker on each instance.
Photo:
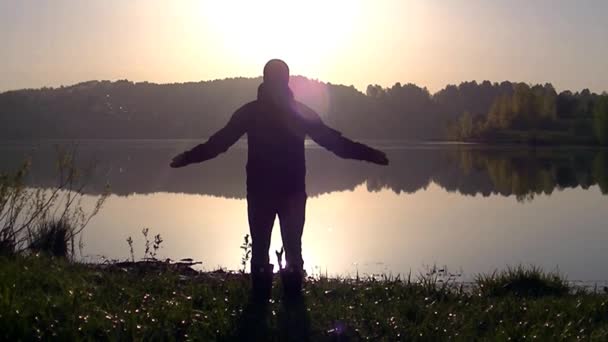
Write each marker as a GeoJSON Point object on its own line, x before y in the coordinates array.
{"type": "Point", "coordinates": [292, 212]}
{"type": "Point", "coordinates": [261, 213]}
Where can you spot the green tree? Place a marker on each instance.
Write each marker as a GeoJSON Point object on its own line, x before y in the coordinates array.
{"type": "Point", "coordinates": [466, 125]}
{"type": "Point", "coordinates": [374, 91]}
{"type": "Point", "coordinates": [548, 104]}
{"type": "Point", "coordinates": [501, 112]}
{"type": "Point", "coordinates": [524, 104]}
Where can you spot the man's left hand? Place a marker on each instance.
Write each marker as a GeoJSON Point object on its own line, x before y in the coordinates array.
{"type": "Point", "coordinates": [179, 161]}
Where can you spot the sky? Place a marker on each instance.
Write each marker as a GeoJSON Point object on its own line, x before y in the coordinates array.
{"type": "Point", "coordinates": [353, 42]}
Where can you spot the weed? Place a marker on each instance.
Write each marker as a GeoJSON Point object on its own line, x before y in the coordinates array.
{"type": "Point", "coordinates": [150, 247]}
{"type": "Point", "coordinates": [246, 248]}
{"type": "Point", "coordinates": [130, 242]}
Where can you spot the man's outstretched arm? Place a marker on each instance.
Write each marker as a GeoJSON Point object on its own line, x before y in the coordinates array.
{"type": "Point", "coordinates": [333, 140]}
{"type": "Point", "coordinates": [217, 143]}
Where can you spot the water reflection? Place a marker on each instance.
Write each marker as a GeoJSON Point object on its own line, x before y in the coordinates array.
{"type": "Point", "coordinates": [470, 207]}
{"type": "Point", "coordinates": [140, 167]}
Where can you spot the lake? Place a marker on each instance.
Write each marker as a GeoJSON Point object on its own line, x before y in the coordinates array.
{"type": "Point", "coordinates": [471, 208]}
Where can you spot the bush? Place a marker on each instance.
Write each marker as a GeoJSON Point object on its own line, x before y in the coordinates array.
{"type": "Point", "coordinates": [52, 238]}
{"type": "Point", "coordinates": [521, 281]}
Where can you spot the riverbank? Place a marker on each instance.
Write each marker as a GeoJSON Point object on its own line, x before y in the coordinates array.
{"type": "Point", "coordinates": [43, 298]}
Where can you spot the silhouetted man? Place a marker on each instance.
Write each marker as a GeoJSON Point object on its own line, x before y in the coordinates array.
{"type": "Point", "coordinates": [276, 126]}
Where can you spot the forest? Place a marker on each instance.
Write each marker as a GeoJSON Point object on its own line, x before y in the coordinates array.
{"type": "Point", "coordinates": [506, 112]}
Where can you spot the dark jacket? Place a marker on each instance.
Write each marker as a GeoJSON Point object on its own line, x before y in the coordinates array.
{"type": "Point", "coordinates": [275, 136]}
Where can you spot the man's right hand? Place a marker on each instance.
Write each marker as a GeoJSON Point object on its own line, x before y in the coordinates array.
{"type": "Point", "coordinates": [179, 161]}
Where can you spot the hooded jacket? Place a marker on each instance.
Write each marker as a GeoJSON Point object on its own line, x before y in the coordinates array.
{"type": "Point", "coordinates": [277, 126]}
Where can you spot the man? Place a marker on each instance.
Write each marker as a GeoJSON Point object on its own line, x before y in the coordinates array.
{"type": "Point", "coordinates": [276, 126]}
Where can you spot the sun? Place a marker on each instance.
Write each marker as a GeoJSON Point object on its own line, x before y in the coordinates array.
{"type": "Point", "coordinates": [304, 33]}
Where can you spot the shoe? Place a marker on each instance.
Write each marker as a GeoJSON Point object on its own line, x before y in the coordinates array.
{"type": "Point", "coordinates": [292, 279]}
{"type": "Point", "coordinates": [261, 282]}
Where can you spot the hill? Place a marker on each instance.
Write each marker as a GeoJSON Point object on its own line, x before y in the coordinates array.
{"type": "Point", "coordinates": [470, 111]}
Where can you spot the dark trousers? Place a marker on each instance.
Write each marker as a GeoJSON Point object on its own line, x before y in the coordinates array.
{"type": "Point", "coordinates": [261, 210]}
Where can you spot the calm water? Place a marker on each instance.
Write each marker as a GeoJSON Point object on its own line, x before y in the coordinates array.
{"type": "Point", "coordinates": [471, 208]}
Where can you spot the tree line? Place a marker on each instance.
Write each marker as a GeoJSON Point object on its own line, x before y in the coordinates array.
{"type": "Point", "coordinates": [486, 111]}
{"type": "Point", "coordinates": [537, 114]}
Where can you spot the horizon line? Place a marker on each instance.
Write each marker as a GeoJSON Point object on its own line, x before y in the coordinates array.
{"type": "Point", "coordinates": [363, 91]}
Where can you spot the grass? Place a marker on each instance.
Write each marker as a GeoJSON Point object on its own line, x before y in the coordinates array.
{"type": "Point", "coordinates": [45, 298]}
{"type": "Point", "coordinates": [523, 282]}
{"type": "Point", "coordinates": [52, 237]}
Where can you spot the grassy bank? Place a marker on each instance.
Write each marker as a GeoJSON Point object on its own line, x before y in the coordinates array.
{"type": "Point", "coordinates": [43, 298]}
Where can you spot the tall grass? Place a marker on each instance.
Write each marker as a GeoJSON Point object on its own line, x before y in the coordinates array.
{"type": "Point", "coordinates": [43, 219]}
{"type": "Point", "coordinates": [522, 281]}
{"type": "Point", "coordinates": [51, 237]}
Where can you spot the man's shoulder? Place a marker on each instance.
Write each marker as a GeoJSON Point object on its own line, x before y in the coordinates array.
{"type": "Point", "coordinates": [251, 105]}
{"type": "Point", "coordinates": [248, 108]}
{"type": "Point", "coordinates": [245, 111]}
{"type": "Point", "coordinates": [307, 113]}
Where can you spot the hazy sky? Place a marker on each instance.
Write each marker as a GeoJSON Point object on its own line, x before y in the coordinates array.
{"type": "Point", "coordinates": [427, 42]}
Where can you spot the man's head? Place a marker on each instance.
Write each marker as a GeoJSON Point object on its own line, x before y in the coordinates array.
{"type": "Point", "coordinates": [276, 73]}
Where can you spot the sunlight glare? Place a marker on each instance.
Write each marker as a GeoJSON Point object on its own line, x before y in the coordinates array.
{"type": "Point", "coordinates": [304, 33]}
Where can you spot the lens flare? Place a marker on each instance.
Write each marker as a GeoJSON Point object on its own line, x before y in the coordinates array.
{"type": "Point", "coordinates": [315, 94]}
